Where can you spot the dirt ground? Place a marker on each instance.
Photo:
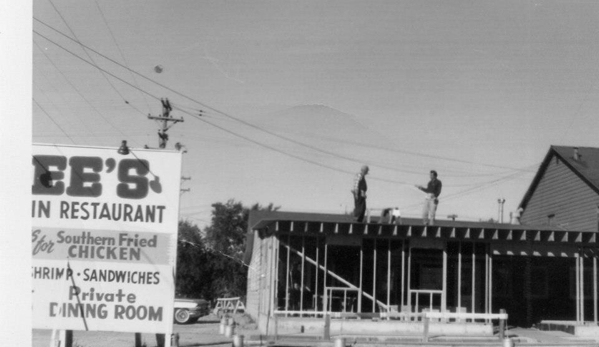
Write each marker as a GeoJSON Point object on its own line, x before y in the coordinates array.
{"type": "Point", "coordinates": [204, 333]}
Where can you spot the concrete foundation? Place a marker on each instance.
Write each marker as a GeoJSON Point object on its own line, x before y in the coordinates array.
{"type": "Point", "coordinates": [368, 327]}
{"type": "Point", "coordinates": [587, 329]}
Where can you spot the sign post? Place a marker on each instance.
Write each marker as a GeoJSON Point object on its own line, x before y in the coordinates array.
{"type": "Point", "coordinates": [104, 238]}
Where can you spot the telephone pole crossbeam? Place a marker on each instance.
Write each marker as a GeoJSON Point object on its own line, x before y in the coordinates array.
{"type": "Point", "coordinates": [165, 119]}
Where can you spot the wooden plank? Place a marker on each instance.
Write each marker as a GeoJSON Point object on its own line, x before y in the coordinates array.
{"type": "Point", "coordinates": [460, 274]}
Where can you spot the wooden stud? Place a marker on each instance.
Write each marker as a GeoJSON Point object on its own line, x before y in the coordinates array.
{"type": "Point", "coordinates": [388, 272]}
{"type": "Point", "coordinates": [444, 294]}
{"type": "Point", "coordinates": [374, 278]}
{"type": "Point", "coordinates": [287, 272]}
{"type": "Point", "coordinates": [403, 266]}
{"type": "Point", "coordinates": [361, 274]}
{"type": "Point", "coordinates": [595, 289]}
{"type": "Point", "coordinates": [582, 286]}
{"type": "Point", "coordinates": [473, 276]}
{"type": "Point", "coordinates": [459, 274]}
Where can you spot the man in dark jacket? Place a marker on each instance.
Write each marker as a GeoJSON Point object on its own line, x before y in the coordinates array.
{"type": "Point", "coordinates": [432, 190]}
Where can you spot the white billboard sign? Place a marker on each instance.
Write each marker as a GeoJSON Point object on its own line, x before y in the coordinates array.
{"type": "Point", "coordinates": [104, 238]}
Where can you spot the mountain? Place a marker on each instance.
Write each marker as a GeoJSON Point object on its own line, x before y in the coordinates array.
{"type": "Point", "coordinates": [321, 122]}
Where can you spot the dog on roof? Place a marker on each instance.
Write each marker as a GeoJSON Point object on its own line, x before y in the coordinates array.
{"type": "Point", "coordinates": [391, 215]}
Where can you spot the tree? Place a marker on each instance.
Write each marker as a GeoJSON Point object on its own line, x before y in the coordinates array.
{"type": "Point", "coordinates": [226, 238]}
{"type": "Point", "coordinates": [211, 266]}
{"type": "Point", "coordinates": [192, 258]}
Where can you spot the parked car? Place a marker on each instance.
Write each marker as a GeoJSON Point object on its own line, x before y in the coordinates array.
{"type": "Point", "coordinates": [190, 310]}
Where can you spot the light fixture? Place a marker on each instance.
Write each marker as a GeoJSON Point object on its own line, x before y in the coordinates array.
{"type": "Point", "coordinates": [124, 150]}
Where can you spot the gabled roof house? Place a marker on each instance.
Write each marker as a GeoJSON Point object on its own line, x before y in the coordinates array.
{"type": "Point", "coordinates": [565, 191]}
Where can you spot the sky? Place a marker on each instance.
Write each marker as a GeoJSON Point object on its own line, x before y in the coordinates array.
{"type": "Point", "coordinates": [296, 95]}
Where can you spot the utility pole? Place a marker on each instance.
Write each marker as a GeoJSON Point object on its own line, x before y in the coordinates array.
{"type": "Point", "coordinates": [183, 179]}
{"type": "Point", "coordinates": [164, 119]}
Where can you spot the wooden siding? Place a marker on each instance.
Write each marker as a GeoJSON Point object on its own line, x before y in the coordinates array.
{"type": "Point", "coordinates": [252, 305]}
{"type": "Point", "coordinates": [561, 192]}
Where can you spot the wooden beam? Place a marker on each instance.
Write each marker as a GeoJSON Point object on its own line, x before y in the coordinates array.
{"type": "Point", "coordinates": [444, 294]}
{"type": "Point", "coordinates": [459, 274]}
{"type": "Point", "coordinates": [523, 236]}
{"type": "Point", "coordinates": [403, 266]}
{"type": "Point", "coordinates": [595, 289]}
{"type": "Point", "coordinates": [374, 277]}
{"type": "Point", "coordinates": [473, 277]}
{"type": "Point", "coordinates": [388, 272]}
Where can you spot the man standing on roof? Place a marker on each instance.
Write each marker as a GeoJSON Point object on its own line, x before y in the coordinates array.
{"type": "Point", "coordinates": [359, 192]}
{"type": "Point", "coordinates": [432, 190]}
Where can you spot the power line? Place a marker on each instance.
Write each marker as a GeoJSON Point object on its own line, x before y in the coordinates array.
{"type": "Point", "coordinates": [265, 130]}
{"type": "Point", "coordinates": [53, 121]}
{"type": "Point", "coordinates": [120, 50]}
{"type": "Point", "coordinates": [234, 118]}
{"type": "Point", "coordinates": [479, 187]}
{"type": "Point", "coordinates": [84, 50]}
{"type": "Point", "coordinates": [221, 128]}
{"type": "Point", "coordinates": [215, 110]}
{"type": "Point", "coordinates": [77, 90]}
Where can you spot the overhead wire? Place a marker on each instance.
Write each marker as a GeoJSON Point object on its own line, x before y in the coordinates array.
{"type": "Point", "coordinates": [222, 128]}
{"type": "Point", "coordinates": [49, 100]}
{"type": "Point", "coordinates": [197, 116]}
{"type": "Point", "coordinates": [76, 39]}
{"type": "Point", "coordinates": [53, 121]}
{"type": "Point", "coordinates": [479, 187]}
{"type": "Point", "coordinates": [120, 51]}
{"type": "Point", "coordinates": [77, 90]}
{"type": "Point", "coordinates": [229, 116]}
{"type": "Point", "coordinates": [260, 128]}
{"type": "Point", "coordinates": [227, 130]}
